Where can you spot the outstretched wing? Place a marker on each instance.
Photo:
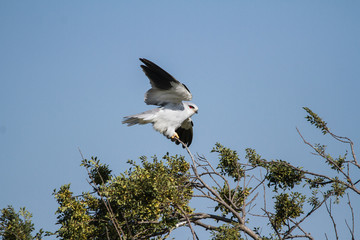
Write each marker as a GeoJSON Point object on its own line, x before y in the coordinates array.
{"type": "Point", "coordinates": [165, 88]}
{"type": "Point", "coordinates": [185, 132]}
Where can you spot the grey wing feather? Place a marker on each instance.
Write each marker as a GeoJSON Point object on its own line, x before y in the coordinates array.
{"type": "Point", "coordinates": [165, 88]}
{"type": "Point", "coordinates": [185, 132]}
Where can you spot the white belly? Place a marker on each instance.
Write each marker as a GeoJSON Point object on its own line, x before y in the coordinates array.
{"type": "Point", "coordinates": [168, 120]}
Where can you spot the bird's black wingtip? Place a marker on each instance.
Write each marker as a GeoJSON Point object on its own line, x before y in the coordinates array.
{"type": "Point", "coordinates": [145, 61]}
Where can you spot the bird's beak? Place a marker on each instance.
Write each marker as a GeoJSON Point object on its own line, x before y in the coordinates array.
{"type": "Point", "coordinates": [196, 111]}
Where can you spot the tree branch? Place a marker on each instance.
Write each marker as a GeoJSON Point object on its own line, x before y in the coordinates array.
{"type": "Point", "coordinates": [332, 219]}
{"type": "Point", "coordinates": [242, 226]}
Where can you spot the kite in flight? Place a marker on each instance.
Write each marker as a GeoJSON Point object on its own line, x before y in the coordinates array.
{"type": "Point", "coordinates": [172, 117]}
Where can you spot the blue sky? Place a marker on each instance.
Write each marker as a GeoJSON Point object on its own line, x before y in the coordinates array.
{"type": "Point", "coordinates": [69, 72]}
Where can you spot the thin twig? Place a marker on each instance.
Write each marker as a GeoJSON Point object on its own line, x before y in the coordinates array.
{"type": "Point", "coordinates": [189, 222]}
{"type": "Point", "coordinates": [324, 156]}
{"type": "Point", "coordinates": [297, 224]}
{"type": "Point", "coordinates": [352, 229]}
{"type": "Point", "coordinates": [332, 219]}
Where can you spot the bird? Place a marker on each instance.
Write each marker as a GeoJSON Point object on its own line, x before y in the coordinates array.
{"type": "Point", "coordinates": [173, 116]}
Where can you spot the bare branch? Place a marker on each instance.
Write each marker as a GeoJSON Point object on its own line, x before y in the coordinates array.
{"type": "Point", "coordinates": [324, 156]}
{"type": "Point", "coordinates": [297, 224]}
{"type": "Point", "coordinates": [352, 229]}
{"type": "Point", "coordinates": [271, 223]}
{"type": "Point", "coordinates": [307, 235]}
{"type": "Point", "coordinates": [189, 222]}
{"type": "Point", "coordinates": [253, 199]}
{"type": "Point", "coordinates": [206, 226]}
{"type": "Point", "coordinates": [348, 182]}
{"type": "Point", "coordinates": [348, 141]}
{"type": "Point", "coordinates": [241, 222]}
{"type": "Point", "coordinates": [332, 219]}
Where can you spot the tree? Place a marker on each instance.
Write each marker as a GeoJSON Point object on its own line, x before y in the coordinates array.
{"type": "Point", "coordinates": [151, 199]}
{"type": "Point", "coordinates": [17, 225]}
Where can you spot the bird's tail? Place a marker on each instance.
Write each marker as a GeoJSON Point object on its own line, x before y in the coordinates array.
{"type": "Point", "coordinates": [130, 121]}
{"type": "Point", "coordinates": [141, 118]}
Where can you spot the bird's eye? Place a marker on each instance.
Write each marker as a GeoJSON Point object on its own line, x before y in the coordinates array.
{"type": "Point", "coordinates": [190, 106]}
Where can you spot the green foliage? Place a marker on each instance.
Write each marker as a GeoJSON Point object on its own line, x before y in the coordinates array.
{"type": "Point", "coordinates": [283, 175]}
{"type": "Point", "coordinates": [145, 201]}
{"type": "Point", "coordinates": [17, 225]}
{"type": "Point", "coordinates": [314, 199]}
{"type": "Point", "coordinates": [316, 182]}
{"type": "Point", "coordinates": [286, 207]}
{"type": "Point", "coordinates": [280, 174]}
{"type": "Point", "coordinates": [336, 164]}
{"type": "Point", "coordinates": [74, 214]}
{"type": "Point", "coordinates": [233, 197]}
{"type": "Point", "coordinates": [254, 158]}
{"type": "Point", "coordinates": [99, 173]}
{"type": "Point", "coordinates": [314, 119]}
{"type": "Point", "coordinates": [337, 189]}
{"type": "Point", "coordinates": [226, 232]}
{"type": "Point", "coordinates": [229, 162]}
{"type": "Point", "coordinates": [154, 194]}
{"type": "Point", "coordinates": [84, 216]}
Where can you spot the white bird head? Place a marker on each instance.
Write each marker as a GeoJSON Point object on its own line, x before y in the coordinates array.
{"type": "Point", "coordinates": [191, 107]}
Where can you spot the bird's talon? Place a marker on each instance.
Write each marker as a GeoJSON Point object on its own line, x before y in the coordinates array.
{"type": "Point", "coordinates": [175, 136]}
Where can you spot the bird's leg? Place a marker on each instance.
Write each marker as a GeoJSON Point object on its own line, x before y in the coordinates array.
{"type": "Point", "coordinates": [175, 136]}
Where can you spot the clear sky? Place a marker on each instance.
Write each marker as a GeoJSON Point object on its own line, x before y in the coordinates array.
{"type": "Point", "coordinates": [69, 72]}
